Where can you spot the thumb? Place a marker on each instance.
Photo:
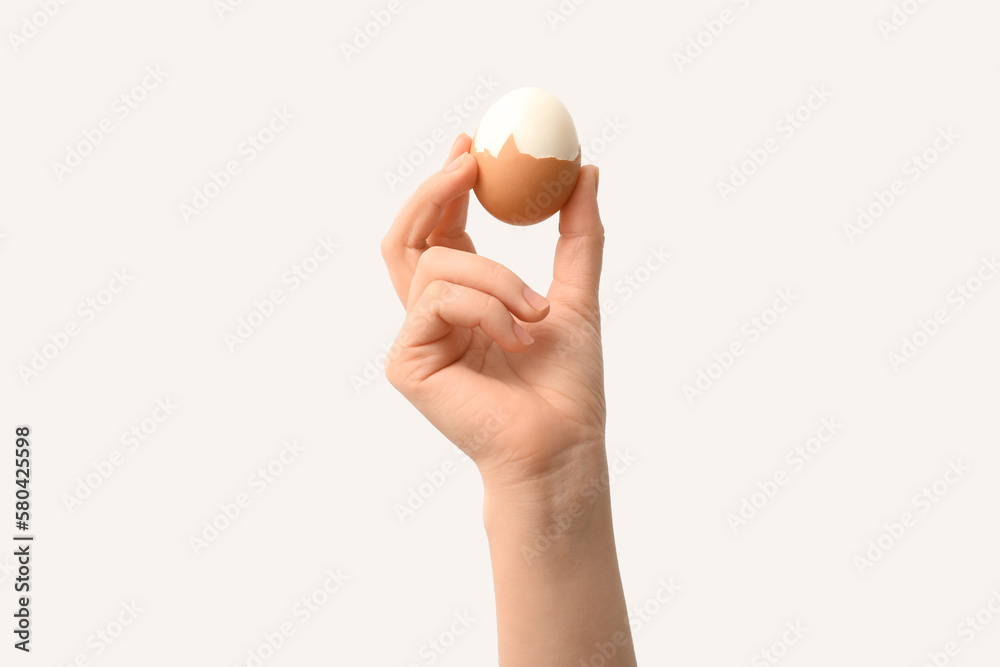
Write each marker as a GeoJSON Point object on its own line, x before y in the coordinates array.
{"type": "Point", "coordinates": [576, 274]}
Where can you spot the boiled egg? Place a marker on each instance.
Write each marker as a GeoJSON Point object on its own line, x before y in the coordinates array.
{"type": "Point", "coordinates": [528, 154]}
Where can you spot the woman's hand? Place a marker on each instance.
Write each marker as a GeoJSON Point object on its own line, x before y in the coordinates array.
{"type": "Point", "coordinates": [525, 402]}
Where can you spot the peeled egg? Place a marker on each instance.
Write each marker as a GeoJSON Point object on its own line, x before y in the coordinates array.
{"type": "Point", "coordinates": [529, 154]}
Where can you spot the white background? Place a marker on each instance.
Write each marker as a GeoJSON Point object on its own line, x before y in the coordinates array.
{"type": "Point", "coordinates": [302, 375]}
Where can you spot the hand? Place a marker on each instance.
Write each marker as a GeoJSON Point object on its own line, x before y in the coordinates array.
{"type": "Point", "coordinates": [524, 401]}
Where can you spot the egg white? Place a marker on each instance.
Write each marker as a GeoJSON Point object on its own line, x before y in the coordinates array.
{"type": "Point", "coordinates": [540, 124]}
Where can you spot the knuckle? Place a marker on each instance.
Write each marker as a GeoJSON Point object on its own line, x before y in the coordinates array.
{"type": "Point", "coordinates": [501, 273]}
{"type": "Point", "coordinates": [495, 306]}
{"type": "Point", "coordinates": [391, 373]}
{"type": "Point", "coordinates": [437, 289]}
{"type": "Point", "coordinates": [428, 262]}
{"type": "Point", "coordinates": [388, 248]}
{"type": "Point", "coordinates": [432, 255]}
{"type": "Point", "coordinates": [442, 292]}
{"type": "Point", "coordinates": [391, 367]}
{"type": "Point", "coordinates": [394, 378]}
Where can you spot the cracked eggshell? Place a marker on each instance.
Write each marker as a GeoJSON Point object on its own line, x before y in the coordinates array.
{"type": "Point", "coordinates": [528, 154]}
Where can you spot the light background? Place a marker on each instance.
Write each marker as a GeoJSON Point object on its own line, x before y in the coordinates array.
{"type": "Point", "coordinates": [302, 375]}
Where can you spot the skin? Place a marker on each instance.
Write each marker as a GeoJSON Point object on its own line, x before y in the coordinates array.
{"type": "Point", "coordinates": [516, 381]}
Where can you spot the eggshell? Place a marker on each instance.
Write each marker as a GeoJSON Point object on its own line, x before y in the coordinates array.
{"type": "Point", "coordinates": [529, 157]}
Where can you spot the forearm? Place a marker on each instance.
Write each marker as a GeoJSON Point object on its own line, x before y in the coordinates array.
{"type": "Point", "coordinates": [558, 587]}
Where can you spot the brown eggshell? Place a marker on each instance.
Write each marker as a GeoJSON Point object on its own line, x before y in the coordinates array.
{"type": "Point", "coordinates": [521, 189]}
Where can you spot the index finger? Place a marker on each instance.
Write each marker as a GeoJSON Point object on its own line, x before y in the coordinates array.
{"type": "Point", "coordinates": [435, 214]}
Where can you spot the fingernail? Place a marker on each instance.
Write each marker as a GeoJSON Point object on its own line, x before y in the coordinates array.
{"type": "Point", "coordinates": [597, 179]}
{"type": "Point", "coordinates": [535, 300]}
{"type": "Point", "coordinates": [455, 164]}
{"type": "Point", "coordinates": [522, 335]}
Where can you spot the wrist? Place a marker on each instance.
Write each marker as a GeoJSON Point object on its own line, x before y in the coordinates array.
{"type": "Point", "coordinates": [555, 567]}
{"type": "Point", "coordinates": [560, 501]}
